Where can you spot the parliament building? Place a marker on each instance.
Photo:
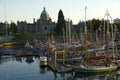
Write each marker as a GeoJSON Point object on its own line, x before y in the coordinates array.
{"type": "Point", "coordinates": [42, 25]}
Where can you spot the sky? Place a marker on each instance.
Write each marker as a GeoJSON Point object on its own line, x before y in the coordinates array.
{"type": "Point", "coordinates": [26, 10]}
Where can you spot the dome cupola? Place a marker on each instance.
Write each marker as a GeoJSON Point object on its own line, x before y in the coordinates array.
{"type": "Point", "coordinates": [44, 15]}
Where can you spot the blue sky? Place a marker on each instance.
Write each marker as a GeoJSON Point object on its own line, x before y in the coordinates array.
{"type": "Point", "coordinates": [72, 9]}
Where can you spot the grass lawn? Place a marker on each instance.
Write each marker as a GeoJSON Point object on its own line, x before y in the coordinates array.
{"type": "Point", "coordinates": [35, 35]}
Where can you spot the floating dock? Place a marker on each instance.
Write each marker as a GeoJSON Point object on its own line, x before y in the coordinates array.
{"type": "Point", "coordinates": [56, 67]}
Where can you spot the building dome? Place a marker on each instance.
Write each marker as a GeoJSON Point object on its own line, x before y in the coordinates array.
{"type": "Point", "coordinates": [44, 15]}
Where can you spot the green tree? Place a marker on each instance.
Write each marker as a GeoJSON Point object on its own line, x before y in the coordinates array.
{"type": "Point", "coordinates": [14, 28]}
{"type": "Point", "coordinates": [60, 23]}
{"type": "Point", "coordinates": [118, 26]}
{"type": "Point", "coordinates": [96, 24]}
{"type": "Point", "coordinates": [8, 30]}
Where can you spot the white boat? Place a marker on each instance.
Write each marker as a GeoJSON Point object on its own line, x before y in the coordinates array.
{"type": "Point", "coordinates": [43, 61]}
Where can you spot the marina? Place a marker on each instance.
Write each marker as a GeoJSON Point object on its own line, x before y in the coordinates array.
{"type": "Point", "coordinates": [69, 60]}
{"type": "Point", "coordinates": [45, 49]}
{"type": "Point", "coordinates": [31, 65]}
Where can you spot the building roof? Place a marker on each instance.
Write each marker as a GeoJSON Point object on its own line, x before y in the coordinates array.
{"type": "Point", "coordinates": [44, 15]}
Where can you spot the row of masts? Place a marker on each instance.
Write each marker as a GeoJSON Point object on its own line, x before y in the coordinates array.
{"type": "Point", "coordinates": [106, 37]}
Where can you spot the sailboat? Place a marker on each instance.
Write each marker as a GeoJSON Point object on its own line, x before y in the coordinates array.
{"type": "Point", "coordinates": [96, 67]}
{"type": "Point", "coordinates": [94, 63]}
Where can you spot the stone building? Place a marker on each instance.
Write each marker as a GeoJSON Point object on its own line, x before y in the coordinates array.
{"type": "Point", "coordinates": [117, 20]}
{"type": "Point", "coordinates": [4, 26]}
{"type": "Point", "coordinates": [42, 25]}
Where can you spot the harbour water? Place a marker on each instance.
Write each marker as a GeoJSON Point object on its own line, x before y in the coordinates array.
{"type": "Point", "coordinates": [28, 68]}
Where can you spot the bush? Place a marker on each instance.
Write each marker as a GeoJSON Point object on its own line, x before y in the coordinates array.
{"type": "Point", "coordinates": [2, 33]}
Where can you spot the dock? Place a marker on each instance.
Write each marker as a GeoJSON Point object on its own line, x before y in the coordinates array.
{"type": "Point", "coordinates": [59, 68]}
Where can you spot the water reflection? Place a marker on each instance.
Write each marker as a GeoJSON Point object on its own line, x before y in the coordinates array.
{"type": "Point", "coordinates": [29, 59]}
{"type": "Point", "coordinates": [19, 59]}
{"type": "Point", "coordinates": [98, 76]}
{"type": "Point", "coordinates": [44, 70]}
{"type": "Point", "coordinates": [22, 68]}
{"type": "Point", "coordinates": [28, 68]}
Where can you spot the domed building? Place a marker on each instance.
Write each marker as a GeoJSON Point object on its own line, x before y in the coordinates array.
{"type": "Point", "coordinates": [44, 15]}
{"type": "Point", "coordinates": [43, 25]}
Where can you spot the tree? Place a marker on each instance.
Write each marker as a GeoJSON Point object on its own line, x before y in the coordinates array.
{"type": "Point", "coordinates": [14, 28]}
{"type": "Point", "coordinates": [96, 24]}
{"type": "Point", "coordinates": [60, 23]}
{"type": "Point", "coordinates": [118, 26]}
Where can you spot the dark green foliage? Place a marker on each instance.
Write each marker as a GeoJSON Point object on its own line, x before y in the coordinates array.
{"type": "Point", "coordinates": [118, 26]}
{"type": "Point", "coordinates": [14, 28]}
{"type": "Point", "coordinates": [96, 23]}
{"type": "Point", "coordinates": [2, 33]}
{"type": "Point", "coordinates": [60, 23]}
{"type": "Point", "coordinates": [23, 33]}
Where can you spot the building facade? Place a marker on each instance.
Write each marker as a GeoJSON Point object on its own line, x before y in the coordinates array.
{"type": "Point", "coordinates": [42, 25]}
{"type": "Point", "coordinates": [117, 20]}
{"type": "Point", "coordinates": [3, 27]}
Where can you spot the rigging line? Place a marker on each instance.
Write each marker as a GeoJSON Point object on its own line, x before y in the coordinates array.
{"type": "Point", "coordinates": [5, 16]}
{"type": "Point", "coordinates": [5, 9]}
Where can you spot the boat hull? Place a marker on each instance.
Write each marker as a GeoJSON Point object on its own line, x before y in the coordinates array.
{"type": "Point", "coordinates": [43, 61]}
{"type": "Point", "coordinates": [43, 64]}
{"type": "Point", "coordinates": [94, 70]}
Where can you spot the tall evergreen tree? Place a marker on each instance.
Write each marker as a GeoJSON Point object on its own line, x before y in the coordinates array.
{"type": "Point", "coordinates": [60, 23]}
{"type": "Point", "coordinates": [14, 28]}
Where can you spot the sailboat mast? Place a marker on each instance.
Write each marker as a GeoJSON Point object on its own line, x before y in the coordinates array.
{"type": "Point", "coordinates": [85, 23]}
{"type": "Point", "coordinates": [104, 32]}
{"type": "Point", "coordinates": [113, 43]}
{"type": "Point", "coordinates": [107, 33]}
{"type": "Point", "coordinates": [85, 38]}
{"type": "Point", "coordinates": [107, 40]}
{"type": "Point", "coordinates": [69, 26]}
{"type": "Point", "coordinates": [5, 17]}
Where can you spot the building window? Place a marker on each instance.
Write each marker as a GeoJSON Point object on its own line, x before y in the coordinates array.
{"type": "Point", "coordinates": [45, 28]}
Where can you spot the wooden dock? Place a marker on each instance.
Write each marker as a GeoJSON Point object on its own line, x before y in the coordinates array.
{"type": "Point", "coordinates": [59, 68]}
